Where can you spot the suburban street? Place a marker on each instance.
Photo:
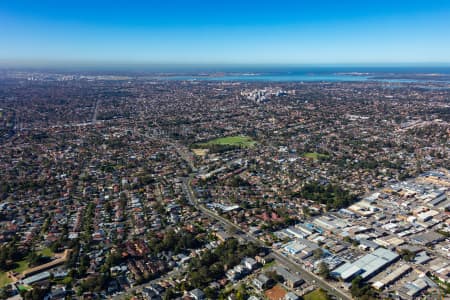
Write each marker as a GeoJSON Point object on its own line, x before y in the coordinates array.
{"type": "Point", "coordinates": [308, 276]}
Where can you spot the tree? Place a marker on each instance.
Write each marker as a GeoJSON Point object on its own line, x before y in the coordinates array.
{"type": "Point", "coordinates": [36, 293]}
{"type": "Point", "coordinates": [34, 259]}
{"type": "Point", "coordinates": [306, 211]}
{"type": "Point", "coordinates": [317, 253]}
{"type": "Point", "coordinates": [241, 293]}
{"type": "Point", "coordinates": [324, 271]}
{"type": "Point", "coordinates": [331, 195]}
{"type": "Point", "coordinates": [362, 291]}
{"type": "Point", "coordinates": [170, 294]}
{"type": "Point", "coordinates": [213, 263]}
{"type": "Point", "coordinates": [356, 286]}
{"type": "Point", "coordinates": [347, 239]}
{"type": "Point", "coordinates": [6, 292]}
{"type": "Point", "coordinates": [407, 255]}
{"type": "Point", "coordinates": [210, 293]}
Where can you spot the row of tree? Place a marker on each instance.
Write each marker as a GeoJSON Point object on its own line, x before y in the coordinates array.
{"type": "Point", "coordinates": [213, 263]}
{"type": "Point", "coordinates": [176, 242]}
{"type": "Point", "coordinates": [333, 196]}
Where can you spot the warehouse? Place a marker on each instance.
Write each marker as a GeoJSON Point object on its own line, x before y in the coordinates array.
{"type": "Point", "coordinates": [366, 266]}
{"type": "Point", "coordinates": [296, 232]}
{"type": "Point", "coordinates": [291, 280]}
{"type": "Point", "coordinates": [428, 238]}
{"type": "Point", "coordinates": [392, 277]}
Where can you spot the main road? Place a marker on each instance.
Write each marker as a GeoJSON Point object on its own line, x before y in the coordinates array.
{"type": "Point", "coordinates": [307, 275]}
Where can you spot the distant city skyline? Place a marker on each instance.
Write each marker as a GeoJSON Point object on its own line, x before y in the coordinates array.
{"type": "Point", "coordinates": [233, 32]}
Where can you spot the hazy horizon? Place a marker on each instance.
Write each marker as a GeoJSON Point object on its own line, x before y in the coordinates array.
{"type": "Point", "coordinates": [147, 67]}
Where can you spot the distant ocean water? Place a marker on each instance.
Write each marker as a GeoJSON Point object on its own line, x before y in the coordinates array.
{"type": "Point", "coordinates": [399, 74]}
{"type": "Point", "coordinates": [255, 73]}
{"type": "Point", "coordinates": [267, 77]}
{"type": "Point", "coordinates": [294, 78]}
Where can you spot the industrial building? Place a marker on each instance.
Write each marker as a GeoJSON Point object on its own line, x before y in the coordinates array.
{"type": "Point", "coordinates": [366, 266]}
{"type": "Point", "coordinates": [392, 277]}
{"type": "Point", "coordinates": [301, 248]}
{"type": "Point", "coordinates": [291, 280]}
{"type": "Point", "coordinates": [411, 290]}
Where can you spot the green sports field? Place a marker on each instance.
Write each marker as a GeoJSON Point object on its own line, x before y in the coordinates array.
{"type": "Point", "coordinates": [315, 155]}
{"type": "Point", "coordinates": [237, 140]}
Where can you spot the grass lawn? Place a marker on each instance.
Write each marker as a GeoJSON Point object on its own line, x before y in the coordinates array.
{"type": "Point", "coordinates": [237, 140]}
{"type": "Point", "coordinates": [4, 280]}
{"type": "Point", "coordinates": [22, 265]}
{"type": "Point", "coordinates": [270, 264]}
{"type": "Point", "coordinates": [318, 294]}
{"type": "Point", "coordinates": [46, 252]}
{"type": "Point", "coordinates": [315, 155]}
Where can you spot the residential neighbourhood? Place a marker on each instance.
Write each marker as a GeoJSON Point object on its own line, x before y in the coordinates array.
{"type": "Point", "coordinates": [134, 187]}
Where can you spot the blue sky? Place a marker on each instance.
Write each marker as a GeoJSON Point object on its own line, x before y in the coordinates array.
{"type": "Point", "coordinates": [253, 32]}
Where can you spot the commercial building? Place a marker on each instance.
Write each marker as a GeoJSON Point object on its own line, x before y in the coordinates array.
{"type": "Point", "coordinates": [291, 280]}
{"type": "Point", "coordinates": [392, 277]}
{"type": "Point", "coordinates": [427, 238]}
{"type": "Point", "coordinates": [410, 290]}
{"type": "Point", "coordinates": [366, 266]}
{"type": "Point", "coordinates": [298, 233]}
